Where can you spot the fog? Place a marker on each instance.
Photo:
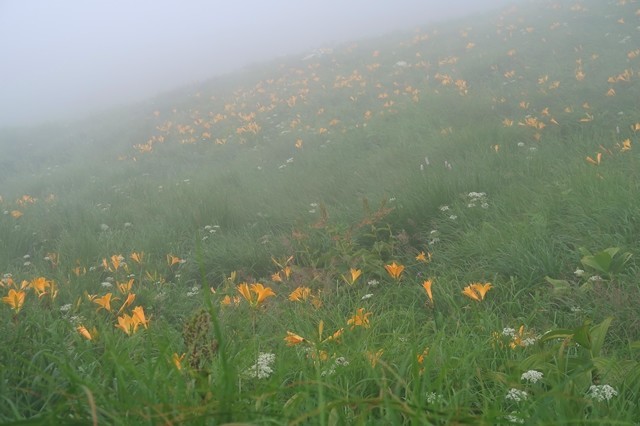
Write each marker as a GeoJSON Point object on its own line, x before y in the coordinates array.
{"type": "Point", "coordinates": [67, 58]}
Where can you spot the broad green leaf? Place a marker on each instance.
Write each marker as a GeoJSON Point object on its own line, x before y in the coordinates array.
{"type": "Point", "coordinates": [582, 336]}
{"type": "Point", "coordinates": [598, 334]}
{"type": "Point", "coordinates": [559, 286]}
{"type": "Point", "coordinates": [560, 333]}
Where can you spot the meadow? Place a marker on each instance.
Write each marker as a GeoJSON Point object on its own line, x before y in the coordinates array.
{"type": "Point", "coordinates": [434, 227]}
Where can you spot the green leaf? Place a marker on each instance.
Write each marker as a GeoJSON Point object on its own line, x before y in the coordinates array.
{"type": "Point", "coordinates": [559, 286]}
{"type": "Point", "coordinates": [582, 336]}
{"type": "Point", "coordinates": [560, 333]}
{"type": "Point", "coordinates": [600, 262]}
{"type": "Point", "coordinates": [598, 334]}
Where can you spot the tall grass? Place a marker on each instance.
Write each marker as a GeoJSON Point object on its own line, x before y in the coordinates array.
{"type": "Point", "coordinates": [496, 154]}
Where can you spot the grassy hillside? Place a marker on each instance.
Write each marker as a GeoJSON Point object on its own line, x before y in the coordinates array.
{"type": "Point", "coordinates": [438, 226]}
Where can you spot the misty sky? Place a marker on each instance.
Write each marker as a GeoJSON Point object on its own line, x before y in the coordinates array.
{"type": "Point", "coordinates": [65, 58]}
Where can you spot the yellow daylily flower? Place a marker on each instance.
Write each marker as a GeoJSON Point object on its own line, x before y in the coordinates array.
{"type": "Point", "coordinates": [293, 339]}
{"type": "Point", "coordinates": [104, 302]}
{"type": "Point", "coordinates": [361, 318]}
{"type": "Point", "coordinates": [84, 332]}
{"type": "Point", "coordinates": [300, 294]}
{"type": "Point", "coordinates": [15, 299]}
{"type": "Point", "coordinates": [427, 287]}
{"type": "Point", "coordinates": [477, 291]}
{"type": "Point", "coordinates": [394, 270]}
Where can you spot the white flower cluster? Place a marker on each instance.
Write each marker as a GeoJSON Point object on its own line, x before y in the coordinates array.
{"type": "Point", "coordinates": [512, 418]}
{"type": "Point", "coordinates": [433, 398]}
{"type": "Point", "coordinates": [210, 230]}
{"type": "Point", "coordinates": [338, 362]}
{"type": "Point", "coordinates": [262, 368]}
{"type": "Point", "coordinates": [601, 392]}
{"type": "Point", "coordinates": [516, 395]}
{"type": "Point", "coordinates": [508, 332]}
{"type": "Point", "coordinates": [532, 376]}
{"type": "Point", "coordinates": [475, 198]}
{"type": "Point", "coordinates": [194, 291]}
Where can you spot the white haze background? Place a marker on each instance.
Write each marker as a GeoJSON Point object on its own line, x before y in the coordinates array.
{"type": "Point", "coordinates": [67, 58]}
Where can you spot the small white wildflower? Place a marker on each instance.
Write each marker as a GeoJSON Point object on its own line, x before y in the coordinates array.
{"type": "Point", "coordinates": [444, 208]}
{"type": "Point", "coordinates": [532, 376]}
{"type": "Point", "coordinates": [341, 361]}
{"type": "Point", "coordinates": [601, 392]}
{"type": "Point", "coordinates": [512, 418]}
{"type": "Point", "coordinates": [516, 395]}
{"type": "Point", "coordinates": [106, 284]}
{"type": "Point", "coordinates": [595, 278]}
{"type": "Point", "coordinates": [194, 290]}
{"type": "Point", "coordinates": [528, 341]}
{"type": "Point", "coordinates": [312, 211]}
{"type": "Point", "coordinates": [434, 241]}
{"type": "Point", "coordinates": [422, 167]}
{"type": "Point", "coordinates": [65, 308]}
{"type": "Point", "coordinates": [471, 205]}
{"type": "Point", "coordinates": [453, 217]}
{"type": "Point", "coordinates": [367, 296]}
{"type": "Point", "coordinates": [484, 205]}
{"type": "Point", "coordinates": [128, 224]}
{"type": "Point", "coordinates": [262, 368]}
{"type": "Point", "coordinates": [433, 398]}
{"type": "Point", "coordinates": [331, 371]}
{"type": "Point", "coordinates": [392, 199]}
{"type": "Point", "coordinates": [282, 166]}
{"type": "Point", "coordinates": [289, 160]}
{"type": "Point", "coordinates": [520, 144]}
{"type": "Point", "coordinates": [373, 283]}
{"type": "Point", "coordinates": [578, 272]}
{"type": "Point", "coordinates": [26, 264]}
{"type": "Point", "coordinates": [26, 257]}
{"type": "Point", "coordinates": [508, 332]}
{"type": "Point", "coordinates": [208, 227]}
{"type": "Point", "coordinates": [576, 309]}
{"type": "Point", "coordinates": [314, 205]}
{"type": "Point", "coordinates": [104, 227]}
{"type": "Point", "coordinates": [433, 232]}
{"type": "Point", "coordinates": [76, 319]}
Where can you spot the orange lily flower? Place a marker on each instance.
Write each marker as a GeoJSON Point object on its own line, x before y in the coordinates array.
{"type": "Point", "coordinates": [15, 299]}
{"type": "Point", "coordinates": [293, 339]}
{"type": "Point", "coordinates": [394, 270]}
{"type": "Point", "coordinates": [177, 360]}
{"type": "Point", "coordinates": [477, 291]}
{"type": "Point", "coordinates": [361, 318]}
{"type": "Point", "coordinates": [130, 298]}
{"type": "Point", "coordinates": [137, 257]}
{"type": "Point", "coordinates": [427, 287]}
{"type": "Point", "coordinates": [127, 324]}
{"type": "Point", "coordinates": [300, 294]}
{"type": "Point", "coordinates": [260, 291]}
{"type": "Point", "coordinates": [104, 302]}
{"type": "Point", "coordinates": [84, 332]}
{"type": "Point", "coordinates": [139, 317]}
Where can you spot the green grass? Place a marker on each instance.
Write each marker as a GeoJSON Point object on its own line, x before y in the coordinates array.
{"type": "Point", "coordinates": [389, 157]}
